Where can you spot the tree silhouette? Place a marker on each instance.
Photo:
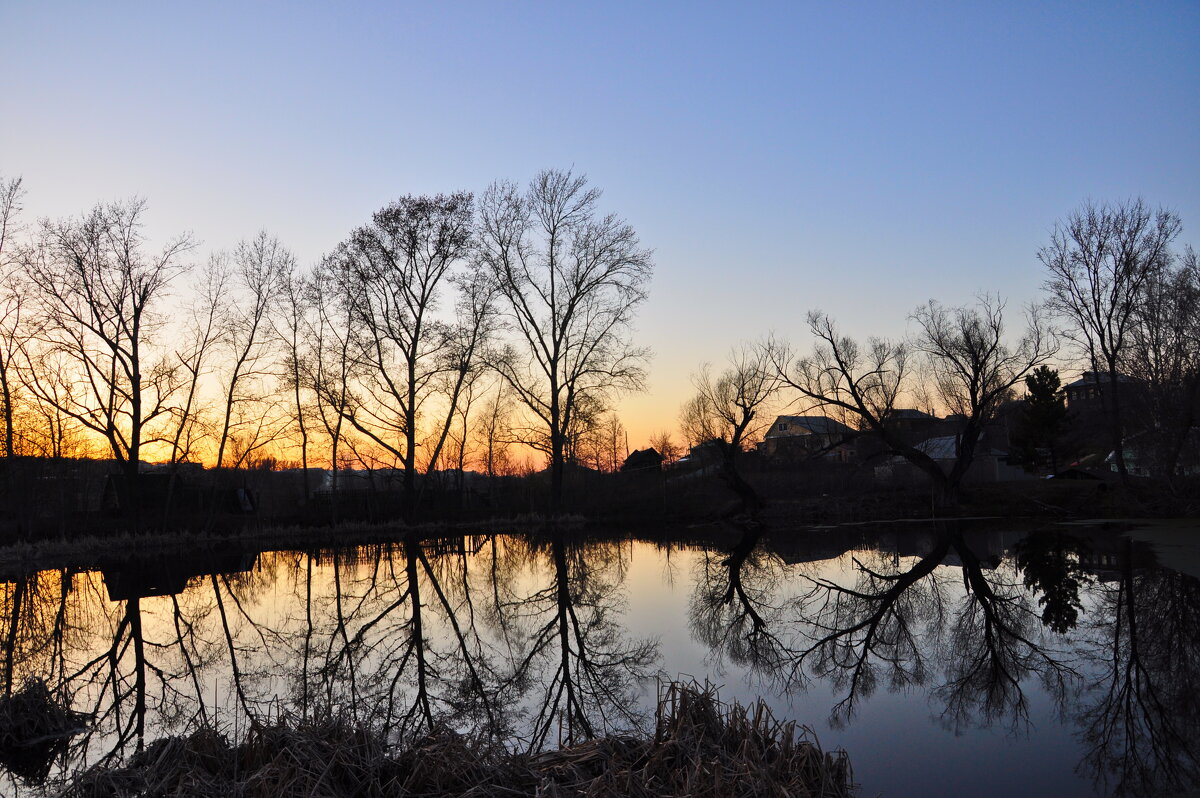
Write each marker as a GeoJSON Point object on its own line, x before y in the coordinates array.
{"type": "Point", "coordinates": [569, 282]}
{"type": "Point", "coordinates": [1099, 260]}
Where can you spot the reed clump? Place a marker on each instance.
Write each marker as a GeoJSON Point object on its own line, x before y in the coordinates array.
{"type": "Point", "coordinates": [35, 728]}
{"type": "Point", "coordinates": [701, 748]}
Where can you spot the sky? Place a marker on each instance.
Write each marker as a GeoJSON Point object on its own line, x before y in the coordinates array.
{"type": "Point", "coordinates": [859, 158]}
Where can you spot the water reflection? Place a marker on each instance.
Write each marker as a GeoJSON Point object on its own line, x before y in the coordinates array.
{"type": "Point", "coordinates": [525, 638]}
{"type": "Point", "coordinates": [885, 620]}
{"type": "Point", "coordinates": [1051, 561]}
{"type": "Point", "coordinates": [1140, 717]}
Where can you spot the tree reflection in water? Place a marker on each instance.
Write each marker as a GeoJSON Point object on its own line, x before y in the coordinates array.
{"type": "Point", "coordinates": [574, 652]}
{"type": "Point", "coordinates": [523, 638]}
{"type": "Point", "coordinates": [893, 622]}
{"type": "Point", "coordinates": [1139, 718]}
{"type": "Point", "coordinates": [1050, 562]}
{"type": "Point", "coordinates": [395, 642]}
{"type": "Point", "coordinates": [735, 610]}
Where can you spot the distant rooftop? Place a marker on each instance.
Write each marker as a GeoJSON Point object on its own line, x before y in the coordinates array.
{"type": "Point", "coordinates": [910, 414]}
{"type": "Point", "coordinates": [1088, 378]}
{"type": "Point", "coordinates": [807, 425]}
{"type": "Point", "coordinates": [945, 447]}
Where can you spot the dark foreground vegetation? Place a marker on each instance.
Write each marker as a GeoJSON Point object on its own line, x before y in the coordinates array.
{"type": "Point", "coordinates": [42, 501]}
{"type": "Point", "coordinates": [700, 747]}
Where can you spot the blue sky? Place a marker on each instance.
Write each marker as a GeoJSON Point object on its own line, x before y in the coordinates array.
{"type": "Point", "coordinates": [860, 158]}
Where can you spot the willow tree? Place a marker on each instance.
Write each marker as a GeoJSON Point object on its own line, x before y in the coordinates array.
{"type": "Point", "coordinates": [729, 409]}
{"type": "Point", "coordinates": [570, 282]}
{"type": "Point", "coordinates": [967, 353]}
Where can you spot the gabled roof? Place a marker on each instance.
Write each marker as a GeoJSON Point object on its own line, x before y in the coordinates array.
{"type": "Point", "coordinates": [813, 425]}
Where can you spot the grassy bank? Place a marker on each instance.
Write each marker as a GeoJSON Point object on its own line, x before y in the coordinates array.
{"type": "Point", "coordinates": [87, 550]}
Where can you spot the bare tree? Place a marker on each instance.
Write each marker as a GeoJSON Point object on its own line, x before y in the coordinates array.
{"type": "Point", "coordinates": [1164, 356]}
{"type": "Point", "coordinates": [260, 267]}
{"type": "Point", "coordinates": [973, 367]}
{"type": "Point", "coordinates": [48, 430]}
{"type": "Point", "coordinates": [331, 292]}
{"type": "Point", "coordinates": [861, 385]}
{"type": "Point", "coordinates": [401, 262]}
{"type": "Point", "coordinates": [570, 282]}
{"type": "Point", "coordinates": [201, 335]}
{"type": "Point", "coordinates": [1100, 259]}
{"type": "Point", "coordinates": [614, 440]}
{"type": "Point", "coordinates": [491, 433]}
{"type": "Point", "coordinates": [461, 358]}
{"type": "Point", "coordinates": [291, 325]}
{"type": "Point", "coordinates": [966, 353]}
{"type": "Point", "coordinates": [728, 409]}
{"type": "Point", "coordinates": [99, 292]}
{"type": "Point", "coordinates": [12, 301]}
{"type": "Point", "coordinates": [666, 446]}
{"type": "Point", "coordinates": [598, 441]}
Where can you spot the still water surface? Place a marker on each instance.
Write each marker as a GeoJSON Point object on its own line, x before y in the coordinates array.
{"type": "Point", "coordinates": [981, 658]}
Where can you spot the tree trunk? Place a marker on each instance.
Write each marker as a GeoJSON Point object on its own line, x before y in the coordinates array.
{"type": "Point", "coordinates": [1112, 405]}
{"type": "Point", "coordinates": [8, 411]}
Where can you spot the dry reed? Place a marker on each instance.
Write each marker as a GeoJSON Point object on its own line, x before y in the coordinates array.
{"type": "Point", "coordinates": [34, 728]}
{"type": "Point", "coordinates": [701, 748]}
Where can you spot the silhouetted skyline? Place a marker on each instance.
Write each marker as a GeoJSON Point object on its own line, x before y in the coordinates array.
{"type": "Point", "coordinates": [860, 160]}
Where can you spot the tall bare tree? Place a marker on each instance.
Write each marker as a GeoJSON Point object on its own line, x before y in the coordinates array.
{"type": "Point", "coordinates": [204, 323]}
{"type": "Point", "coordinates": [291, 326]}
{"type": "Point", "coordinates": [260, 267]}
{"type": "Point", "coordinates": [1100, 259]}
{"type": "Point", "coordinates": [1164, 356]}
{"type": "Point", "coordinates": [461, 358]}
{"type": "Point", "coordinates": [331, 368]}
{"type": "Point", "coordinates": [12, 302]}
{"type": "Point", "coordinates": [99, 296]}
{"type": "Point", "coordinates": [401, 263]}
{"type": "Point", "coordinates": [570, 282]}
{"type": "Point", "coordinates": [491, 433]}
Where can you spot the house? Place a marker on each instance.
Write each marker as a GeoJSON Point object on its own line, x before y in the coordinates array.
{"type": "Point", "coordinates": [1086, 394]}
{"type": "Point", "coordinates": [1145, 453]}
{"type": "Point", "coordinates": [1088, 405]}
{"type": "Point", "coordinates": [802, 437]}
{"type": "Point", "coordinates": [643, 460]}
{"type": "Point", "coordinates": [987, 465]}
{"type": "Point", "coordinates": [911, 423]}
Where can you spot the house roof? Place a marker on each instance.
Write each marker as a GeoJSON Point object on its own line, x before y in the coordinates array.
{"type": "Point", "coordinates": [1089, 378]}
{"type": "Point", "coordinates": [945, 447]}
{"type": "Point", "coordinates": [813, 425]}
{"type": "Point", "coordinates": [909, 414]}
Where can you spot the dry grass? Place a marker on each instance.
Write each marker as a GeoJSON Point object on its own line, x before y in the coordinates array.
{"type": "Point", "coordinates": [700, 748]}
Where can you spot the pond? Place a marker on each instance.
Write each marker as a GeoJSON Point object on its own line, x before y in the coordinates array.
{"type": "Point", "coordinates": [975, 657]}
